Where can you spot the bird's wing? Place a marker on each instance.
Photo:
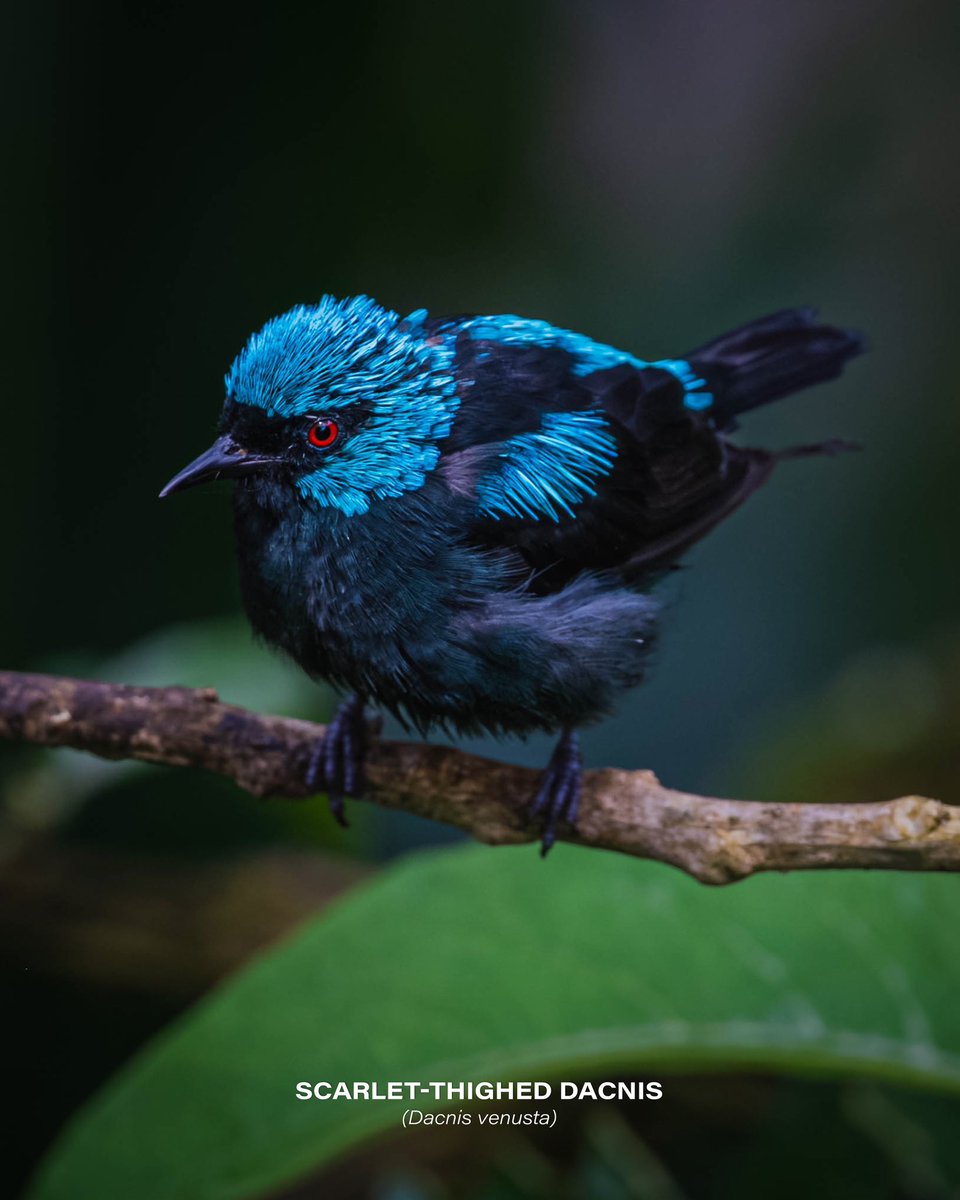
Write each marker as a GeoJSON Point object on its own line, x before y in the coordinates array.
{"type": "Point", "coordinates": [579, 456]}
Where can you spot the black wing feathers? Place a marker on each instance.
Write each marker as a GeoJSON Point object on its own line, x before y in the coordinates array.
{"type": "Point", "coordinates": [506, 390]}
{"type": "Point", "coordinates": [675, 476]}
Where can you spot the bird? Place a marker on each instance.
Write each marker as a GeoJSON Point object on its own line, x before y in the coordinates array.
{"type": "Point", "coordinates": [463, 519]}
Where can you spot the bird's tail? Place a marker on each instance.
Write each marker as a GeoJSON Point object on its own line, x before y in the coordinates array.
{"type": "Point", "coordinates": [770, 358]}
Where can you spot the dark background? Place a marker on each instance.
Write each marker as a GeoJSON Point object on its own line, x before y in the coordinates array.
{"type": "Point", "coordinates": [648, 173]}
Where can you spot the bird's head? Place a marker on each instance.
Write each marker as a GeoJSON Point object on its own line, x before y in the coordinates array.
{"type": "Point", "coordinates": [343, 402]}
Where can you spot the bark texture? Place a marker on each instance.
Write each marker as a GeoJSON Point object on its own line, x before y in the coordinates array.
{"type": "Point", "coordinates": [716, 841]}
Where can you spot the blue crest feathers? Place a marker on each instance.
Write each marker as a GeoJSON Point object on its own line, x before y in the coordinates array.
{"type": "Point", "coordinates": [329, 356]}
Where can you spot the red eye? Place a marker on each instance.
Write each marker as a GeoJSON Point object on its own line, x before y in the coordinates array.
{"type": "Point", "coordinates": [323, 433]}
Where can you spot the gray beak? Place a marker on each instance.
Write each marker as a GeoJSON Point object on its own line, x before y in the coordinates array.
{"type": "Point", "coordinates": [224, 460]}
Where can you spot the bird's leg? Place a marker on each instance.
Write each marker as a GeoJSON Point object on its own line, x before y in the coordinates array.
{"type": "Point", "coordinates": [558, 796]}
{"type": "Point", "coordinates": [336, 763]}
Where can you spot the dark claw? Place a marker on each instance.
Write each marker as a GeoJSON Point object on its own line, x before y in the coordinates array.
{"type": "Point", "coordinates": [336, 762]}
{"type": "Point", "coordinates": [558, 796]}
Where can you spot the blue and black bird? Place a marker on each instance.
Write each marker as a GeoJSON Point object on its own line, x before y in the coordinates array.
{"type": "Point", "coordinates": [460, 518]}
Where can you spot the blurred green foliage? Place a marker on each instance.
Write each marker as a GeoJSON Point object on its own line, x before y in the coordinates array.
{"type": "Point", "coordinates": [834, 974]}
{"type": "Point", "coordinates": [886, 725]}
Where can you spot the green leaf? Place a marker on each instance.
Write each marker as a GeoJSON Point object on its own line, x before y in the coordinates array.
{"type": "Point", "coordinates": [488, 964]}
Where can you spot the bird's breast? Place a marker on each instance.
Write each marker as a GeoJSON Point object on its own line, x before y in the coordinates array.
{"type": "Point", "coordinates": [364, 601]}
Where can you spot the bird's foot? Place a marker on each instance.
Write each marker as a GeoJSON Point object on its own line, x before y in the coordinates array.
{"type": "Point", "coordinates": [558, 796]}
{"type": "Point", "coordinates": [336, 762]}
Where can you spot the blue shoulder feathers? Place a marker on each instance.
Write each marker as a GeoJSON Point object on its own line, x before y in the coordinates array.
{"type": "Point", "coordinates": [548, 472]}
{"type": "Point", "coordinates": [588, 356]}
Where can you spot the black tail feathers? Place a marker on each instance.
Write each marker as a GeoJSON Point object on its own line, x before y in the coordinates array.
{"type": "Point", "coordinates": [770, 358]}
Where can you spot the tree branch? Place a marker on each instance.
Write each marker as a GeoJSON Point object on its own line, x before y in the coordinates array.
{"type": "Point", "coordinates": [716, 841]}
